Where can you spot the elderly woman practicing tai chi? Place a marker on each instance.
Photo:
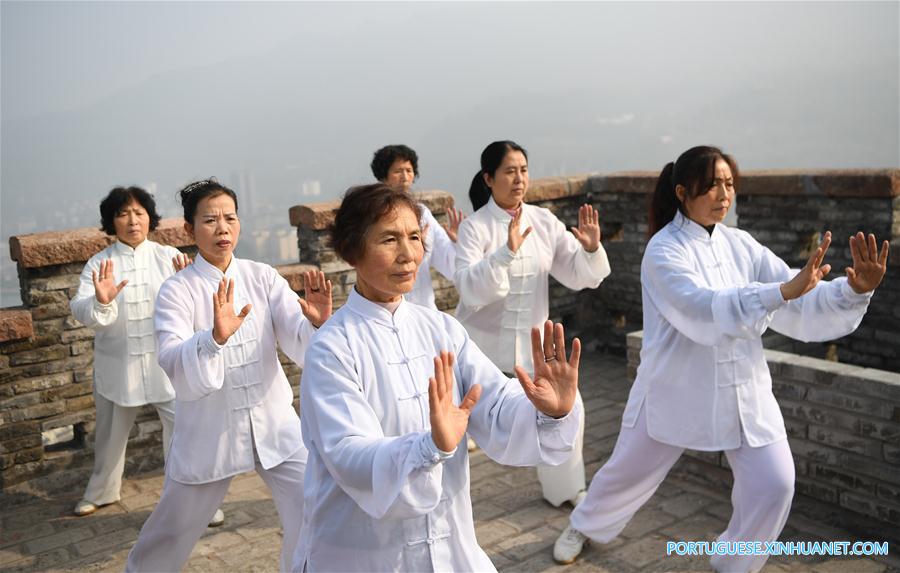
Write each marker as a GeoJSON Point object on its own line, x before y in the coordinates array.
{"type": "Point", "coordinates": [709, 293]}
{"type": "Point", "coordinates": [233, 404]}
{"type": "Point", "coordinates": [389, 390]}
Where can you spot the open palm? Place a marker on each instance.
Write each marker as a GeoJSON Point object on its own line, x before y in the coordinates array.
{"type": "Point", "coordinates": [555, 384]}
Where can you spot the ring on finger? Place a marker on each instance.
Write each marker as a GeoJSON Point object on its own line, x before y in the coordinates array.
{"type": "Point", "coordinates": [549, 359]}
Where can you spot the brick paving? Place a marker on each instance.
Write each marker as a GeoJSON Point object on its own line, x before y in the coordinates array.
{"type": "Point", "coordinates": [513, 523]}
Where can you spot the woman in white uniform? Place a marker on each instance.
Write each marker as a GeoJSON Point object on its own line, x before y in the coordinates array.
{"type": "Point", "coordinates": [709, 293]}
{"type": "Point", "coordinates": [389, 390]}
{"type": "Point", "coordinates": [115, 298]}
{"type": "Point", "coordinates": [233, 403]}
{"type": "Point", "coordinates": [398, 166]}
{"type": "Point", "coordinates": [506, 252]}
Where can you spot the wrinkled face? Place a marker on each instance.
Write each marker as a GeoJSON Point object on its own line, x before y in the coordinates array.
{"type": "Point", "coordinates": [216, 229]}
{"type": "Point", "coordinates": [711, 207]}
{"type": "Point", "coordinates": [401, 175]}
{"type": "Point", "coordinates": [132, 224]}
{"type": "Point", "coordinates": [510, 182]}
{"type": "Point", "coordinates": [391, 257]}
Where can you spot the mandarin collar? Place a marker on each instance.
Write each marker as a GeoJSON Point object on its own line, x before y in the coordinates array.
{"type": "Point", "coordinates": [374, 311]}
{"type": "Point", "coordinates": [209, 270]}
{"type": "Point", "coordinates": [499, 212]}
{"type": "Point", "coordinates": [122, 249]}
{"type": "Point", "coordinates": [693, 229]}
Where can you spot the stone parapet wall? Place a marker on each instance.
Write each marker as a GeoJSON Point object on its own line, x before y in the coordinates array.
{"type": "Point", "coordinates": [843, 425]}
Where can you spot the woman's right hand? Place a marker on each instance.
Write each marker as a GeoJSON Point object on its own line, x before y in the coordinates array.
{"type": "Point", "coordinates": [810, 275]}
{"type": "Point", "coordinates": [448, 421]}
{"type": "Point", "coordinates": [225, 322]}
{"type": "Point", "coordinates": [514, 237]}
{"type": "Point", "coordinates": [105, 288]}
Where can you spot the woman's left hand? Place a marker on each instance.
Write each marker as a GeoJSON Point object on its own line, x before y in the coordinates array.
{"type": "Point", "coordinates": [868, 265]}
{"type": "Point", "coordinates": [316, 305]}
{"type": "Point", "coordinates": [588, 230]}
{"type": "Point", "coordinates": [455, 217]}
{"type": "Point", "coordinates": [555, 383]}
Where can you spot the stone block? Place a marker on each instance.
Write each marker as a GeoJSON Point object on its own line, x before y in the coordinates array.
{"type": "Point", "coordinates": [15, 325]}
{"type": "Point", "coordinates": [868, 406]}
{"type": "Point", "coordinates": [26, 385]}
{"type": "Point", "coordinates": [845, 441]}
{"type": "Point", "coordinates": [44, 354]}
{"type": "Point", "coordinates": [78, 245]}
{"type": "Point", "coordinates": [76, 335]}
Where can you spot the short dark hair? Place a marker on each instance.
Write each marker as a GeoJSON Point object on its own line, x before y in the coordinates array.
{"type": "Point", "coordinates": [360, 209]}
{"type": "Point", "coordinates": [118, 199]}
{"type": "Point", "coordinates": [387, 155]}
{"type": "Point", "coordinates": [695, 169]}
{"type": "Point", "coordinates": [491, 159]}
{"type": "Point", "coordinates": [192, 193]}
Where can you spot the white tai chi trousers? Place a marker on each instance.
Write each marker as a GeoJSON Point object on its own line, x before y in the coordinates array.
{"type": "Point", "coordinates": [114, 423]}
{"type": "Point", "coordinates": [179, 519]}
{"type": "Point", "coordinates": [563, 482]}
{"type": "Point", "coordinates": [761, 497]}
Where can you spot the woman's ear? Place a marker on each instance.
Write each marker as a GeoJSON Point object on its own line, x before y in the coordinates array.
{"type": "Point", "coordinates": [679, 192]}
{"type": "Point", "coordinates": [189, 229]}
{"type": "Point", "coordinates": [488, 180]}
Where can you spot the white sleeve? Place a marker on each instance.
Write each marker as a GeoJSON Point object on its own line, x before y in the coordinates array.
{"type": "Point", "coordinates": [85, 307]}
{"type": "Point", "coordinates": [292, 329]}
{"type": "Point", "coordinates": [504, 423]}
{"type": "Point", "coordinates": [831, 310]}
{"type": "Point", "coordinates": [193, 361]}
{"type": "Point", "coordinates": [443, 250]}
{"type": "Point", "coordinates": [388, 477]}
{"type": "Point", "coordinates": [703, 314]}
{"type": "Point", "coordinates": [480, 278]}
{"type": "Point", "coordinates": [574, 267]}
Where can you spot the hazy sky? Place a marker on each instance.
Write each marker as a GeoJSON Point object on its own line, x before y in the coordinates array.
{"type": "Point", "coordinates": [295, 96]}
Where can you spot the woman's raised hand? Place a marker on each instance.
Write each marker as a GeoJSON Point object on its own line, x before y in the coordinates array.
{"type": "Point", "coordinates": [810, 275]}
{"type": "Point", "coordinates": [105, 288]}
{"type": "Point", "coordinates": [448, 421]}
{"type": "Point", "coordinates": [588, 230]}
{"type": "Point", "coordinates": [555, 383]}
{"type": "Point", "coordinates": [180, 261]}
{"type": "Point", "coordinates": [515, 238]}
{"type": "Point", "coordinates": [317, 303]}
{"type": "Point", "coordinates": [455, 217]}
{"type": "Point", "coordinates": [868, 265]}
{"type": "Point", "coordinates": [225, 322]}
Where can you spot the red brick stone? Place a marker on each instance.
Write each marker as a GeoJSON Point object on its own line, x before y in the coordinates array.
{"type": "Point", "coordinates": [78, 245]}
{"type": "Point", "coordinates": [15, 325]}
{"type": "Point", "coordinates": [314, 215]}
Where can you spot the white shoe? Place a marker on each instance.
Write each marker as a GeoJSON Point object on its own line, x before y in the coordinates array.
{"type": "Point", "coordinates": [579, 497]}
{"type": "Point", "coordinates": [84, 507]}
{"type": "Point", "coordinates": [569, 545]}
{"type": "Point", "coordinates": [218, 519]}
{"type": "Point", "coordinates": [471, 445]}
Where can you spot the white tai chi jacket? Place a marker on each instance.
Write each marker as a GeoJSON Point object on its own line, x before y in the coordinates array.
{"type": "Point", "coordinates": [440, 253]}
{"type": "Point", "coordinates": [380, 496]}
{"type": "Point", "coordinates": [708, 298]}
{"type": "Point", "coordinates": [503, 295]}
{"type": "Point", "coordinates": [125, 368]}
{"type": "Point", "coordinates": [234, 398]}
